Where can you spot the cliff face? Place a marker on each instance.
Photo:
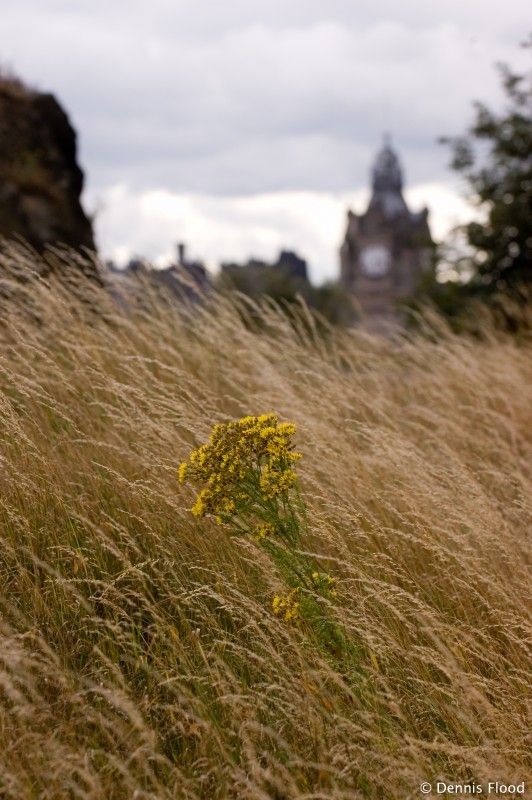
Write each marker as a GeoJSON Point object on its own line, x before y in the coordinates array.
{"type": "Point", "coordinates": [40, 179]}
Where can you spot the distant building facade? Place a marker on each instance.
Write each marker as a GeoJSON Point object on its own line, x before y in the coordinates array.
{"type": "Point", "coordinates": [386, 249]}
{"type": "Point", "coordinates": [288, 264]}
{"type": "Point", "coordinates": [184, 280]}
{"type": "Point", "coordinates": [186, 271]}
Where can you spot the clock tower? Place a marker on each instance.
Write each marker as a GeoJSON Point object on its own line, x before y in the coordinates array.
{"type": "Point", "coordinates": [386, 249]}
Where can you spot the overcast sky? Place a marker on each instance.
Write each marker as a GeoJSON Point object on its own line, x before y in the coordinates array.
{"type": "Point", "coordinates": [244, 126]}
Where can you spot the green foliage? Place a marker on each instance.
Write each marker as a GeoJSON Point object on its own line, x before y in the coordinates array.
{"type": "Point", "coordinates": [450, 298]}
{"type": "Point", "coordinates": [495, 158]}
{"type": "Point", "coordinates": [333, 303]}
{"type": "Point", "coordinates": [256, 280]}
{"type": "Point", "coordinates": [259, 281]}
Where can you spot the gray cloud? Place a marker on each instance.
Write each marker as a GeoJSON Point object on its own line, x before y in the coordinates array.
{"type": "Point", "coordinates": [243, 125]}
{"type": "Point", "coordinates": [245, 96]}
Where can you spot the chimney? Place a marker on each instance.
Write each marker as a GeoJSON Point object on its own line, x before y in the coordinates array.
{"type": "Point", "coordinates": [180, 253]}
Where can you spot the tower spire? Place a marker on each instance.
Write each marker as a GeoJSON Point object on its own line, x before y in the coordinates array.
{"type": "Point", "coordinates": [387, 174]}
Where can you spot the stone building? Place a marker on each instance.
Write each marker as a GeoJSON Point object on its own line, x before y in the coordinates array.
{"type": "Point", "coordinates": [386, 249]}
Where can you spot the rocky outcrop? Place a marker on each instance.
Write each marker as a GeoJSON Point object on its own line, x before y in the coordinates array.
{"type": "Point", "coordinates": [40, 179]}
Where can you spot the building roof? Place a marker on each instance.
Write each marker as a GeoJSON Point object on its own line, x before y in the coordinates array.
{"type": "Point", "coordinates": [387, 184]}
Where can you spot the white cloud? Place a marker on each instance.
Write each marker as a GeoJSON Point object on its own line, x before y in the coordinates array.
{"type": "Point", "coordinates": [233, 228]}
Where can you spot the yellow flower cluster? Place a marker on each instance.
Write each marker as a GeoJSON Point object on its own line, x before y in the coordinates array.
{"type": "Point", "coordinates": [286, 606]}
{"type": "Point", "coordinates": [324, 582]}
{"type": "Point", "coordinates": [242, 457]}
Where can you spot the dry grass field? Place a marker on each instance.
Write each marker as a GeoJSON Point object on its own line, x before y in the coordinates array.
{"type": "Point", "coordinates": [139, 655]}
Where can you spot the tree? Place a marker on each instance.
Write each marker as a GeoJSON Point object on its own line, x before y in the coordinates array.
{"type": "Point", "coordinates": [258, 280]}
{"type": "Point", "coordinates": [495, 158]}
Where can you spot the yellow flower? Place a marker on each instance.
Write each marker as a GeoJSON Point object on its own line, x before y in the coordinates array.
{"type": "Point", "coordinates": [292, 612]}
{"type": "Point", "coordinates": [199, 508]}
{"type": "Point", "coordinates": [276, 603]}
{"type": "Point", "coordinates": [325, 583]}
{"type": "Point", "coordinates": [286, 428]}
{"type": "Point", "coordinates": [263, 530]}
{"type": "Point", "coordinates": [242, 458]}
{"type": "Point", "coordinates": [286, 606]}
{"type": "Point", "coordinates": [263, 418]}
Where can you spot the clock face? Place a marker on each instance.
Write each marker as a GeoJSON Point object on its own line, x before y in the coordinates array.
{"type": "Point", "coordinates": [375, 260]}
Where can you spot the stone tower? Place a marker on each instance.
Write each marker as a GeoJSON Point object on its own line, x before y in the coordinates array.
{"type": "Point", "coordinates": [386, 249]}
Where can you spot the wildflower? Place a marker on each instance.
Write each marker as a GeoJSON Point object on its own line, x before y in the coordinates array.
{"type": "Point", "coordinates": [287, 606]}
{"type": "Point", "coordinates": [242, 459]}
{"type": "Point", "coordinates": [263, 531]}
{"type": "Point", "coordinates": [324, 582]}
{"type": "Point", "coordinates": [199, 507]}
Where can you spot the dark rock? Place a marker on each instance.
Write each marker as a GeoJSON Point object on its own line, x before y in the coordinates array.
{"type": "Point", "coordinates": [40, 179]}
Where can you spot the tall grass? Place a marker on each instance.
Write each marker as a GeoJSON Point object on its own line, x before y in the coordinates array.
{"type": "Point", "coordinates": [139, 655]}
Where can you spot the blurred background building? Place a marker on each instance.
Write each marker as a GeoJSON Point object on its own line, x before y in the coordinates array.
{"type": "Point", "coordinates": [387, 248]}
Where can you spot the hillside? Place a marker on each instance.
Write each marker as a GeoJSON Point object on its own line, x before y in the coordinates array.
{"type": "Point", "coordinates": [140, 656]}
